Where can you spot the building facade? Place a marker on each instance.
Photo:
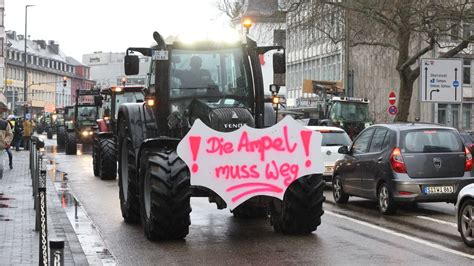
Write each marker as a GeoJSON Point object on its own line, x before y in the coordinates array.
{"type": "Point", "coordinates": [46, 69]}
{"type": "Point", "coordinates": [107, 69]}
{"type": "Point", "coordinates": [369, 73]}
{"type": "Point", "coordinates": [3, 100]}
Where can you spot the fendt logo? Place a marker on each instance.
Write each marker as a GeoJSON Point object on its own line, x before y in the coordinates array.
{"type": "Point", "coordinates": [233, 126]}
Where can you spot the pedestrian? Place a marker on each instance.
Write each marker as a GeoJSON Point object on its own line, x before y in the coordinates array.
{"type": "Point", "coordinates": [27, 132]}
{"type": "Point", "coordinates": [11, 123]}
{"type": "Point", "coordinates": [18, 134]}
{"type": "Point", "coordinates": [6, 136]}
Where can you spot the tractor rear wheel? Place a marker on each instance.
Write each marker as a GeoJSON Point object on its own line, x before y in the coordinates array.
{"type": "Point", "coordinates": [60, 137]}
{"type": "Point", "coordinates": [302, 206]}
{"type": "Point", "coordinates": [107, 159]}
{"type": "Point", "coordinates": [164, 195]}
{"type": "Point", "coordinates": [49, 133]}
{"type": "Point", "coordinates": [71, 143]}
{"type": "Point", "coordinates": [128, 190]}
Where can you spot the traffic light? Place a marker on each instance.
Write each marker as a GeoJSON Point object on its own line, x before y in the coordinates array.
{"type": "Point", "coordinates": [65, 81]}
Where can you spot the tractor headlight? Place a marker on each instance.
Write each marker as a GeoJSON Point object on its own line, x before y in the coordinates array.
{"type": "Point", "coordinates": [84, 133]}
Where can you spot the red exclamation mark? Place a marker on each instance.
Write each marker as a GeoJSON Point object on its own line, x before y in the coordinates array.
{"type": "Point", "coordinates": [194, 143]}
{"type": "Point", "coordinates": [306, 138]}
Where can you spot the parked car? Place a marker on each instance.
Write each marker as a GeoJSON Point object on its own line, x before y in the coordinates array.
{"type": "Point", "coordinates": [403, 163]}
{"type": "Point", "coordinates": [333, 139]}
{"type": "Point", "coordinates": [467, 140]}
{"type": "Point", "coordinates": [465, 214]}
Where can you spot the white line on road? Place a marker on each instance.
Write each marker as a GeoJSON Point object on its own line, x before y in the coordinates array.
{"type": "Point", "coordinates": [438, 221]}
{"type": "Point", "coordinates": [415, 239]}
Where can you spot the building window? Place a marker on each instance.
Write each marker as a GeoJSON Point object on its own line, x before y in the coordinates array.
{"type": "Point", "coordinates": [1, 46]}
{"type": "Point", "coordinates": [467, 71]}
{"type": "Point", "coordinates": [2, 10]}
{"type": "Point", "coordinates": [466, 116]}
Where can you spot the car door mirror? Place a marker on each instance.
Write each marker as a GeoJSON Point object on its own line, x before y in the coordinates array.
{"type": "Point", "coordinates": [131, 65]}
{"type": "Point", "coordinates": [343, 150]}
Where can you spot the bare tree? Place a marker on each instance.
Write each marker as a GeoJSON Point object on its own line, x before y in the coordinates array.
{"type": "Point", "coordinates": [392, 24]}
{"type": "Point", "coordinates": [231, 8]}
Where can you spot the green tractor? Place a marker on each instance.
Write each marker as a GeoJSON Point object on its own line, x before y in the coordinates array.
{"type": "Point", "coordinates": [80, 129]}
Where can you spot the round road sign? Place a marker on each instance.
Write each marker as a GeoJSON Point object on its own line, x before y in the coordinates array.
{"type": "Point", "coordinates": [455, 83]}
{"type": "Point", "coordinates": [393, 110]}
{"type": "Point", "coordinates": [392, 98]}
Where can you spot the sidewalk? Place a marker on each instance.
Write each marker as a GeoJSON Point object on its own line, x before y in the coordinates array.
{"type": "Point", "coordinates": [19, 243]}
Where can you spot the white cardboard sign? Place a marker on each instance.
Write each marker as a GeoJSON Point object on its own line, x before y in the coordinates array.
{"type": "Point", "coordinates": [249, 162]}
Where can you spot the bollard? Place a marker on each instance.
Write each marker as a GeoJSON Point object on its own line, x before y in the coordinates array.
{"type": "Point", "coordinates": [56, 249]}
{"type": "Point", "coordinates": [75, 207]}
{"type": "Point", "coordinates": [43, 238]}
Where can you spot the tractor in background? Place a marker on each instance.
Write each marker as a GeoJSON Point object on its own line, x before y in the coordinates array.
{"type": "Point", "coordinates": [104, 152]}
{"type": "Point", "coordinates": [86, 112]}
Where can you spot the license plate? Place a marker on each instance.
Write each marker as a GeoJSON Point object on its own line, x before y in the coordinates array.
{"type": "Point", "coordinates": [329, 169]}
{"type": "Point", "coordinates": [438, 190]}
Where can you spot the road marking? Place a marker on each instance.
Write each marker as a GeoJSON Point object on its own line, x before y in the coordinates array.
{"type": "Point", "coordinates": [438, 221]}
{"type": "Point", "coordinates": [414, 239]}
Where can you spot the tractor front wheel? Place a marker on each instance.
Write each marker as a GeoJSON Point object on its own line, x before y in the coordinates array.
{"type": "Point", "coordinates": [71, 143]}
{"type": "Point", "coordinates": [107, 159]}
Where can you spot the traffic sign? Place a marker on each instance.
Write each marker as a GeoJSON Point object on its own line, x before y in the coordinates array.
{"type": "Point", "coordinates": [392, 98]}
{"type": "Point", "coordinates": [393, 110]}
{"type": "Point", "coordinates": [441, 80]}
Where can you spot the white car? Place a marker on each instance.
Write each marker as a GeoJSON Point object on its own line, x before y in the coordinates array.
{"type": "Point", "coordinates": [333, 139]}
{"type": "Point", "coordinates": [465, 214]}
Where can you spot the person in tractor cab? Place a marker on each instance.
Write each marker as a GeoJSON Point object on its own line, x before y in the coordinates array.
{"type": "Point", "coordinates": [195, 77]}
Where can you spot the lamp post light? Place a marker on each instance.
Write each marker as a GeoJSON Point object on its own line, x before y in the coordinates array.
{"type": "Point", "coordinates": [25, 93]}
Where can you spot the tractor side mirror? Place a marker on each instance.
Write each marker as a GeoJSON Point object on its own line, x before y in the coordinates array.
{"type": "Point", "coordinates": [279, 63]}
{"type": "Point", "coordinates": [131, 65]}
{"type": "Point", "coordinates": [98, 100]}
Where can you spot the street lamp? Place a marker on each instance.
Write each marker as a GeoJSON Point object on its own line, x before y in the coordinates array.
{"type": "Point", "coordinates": [25, 59]}
{"type": "Point", "coordinates": [247, 23]}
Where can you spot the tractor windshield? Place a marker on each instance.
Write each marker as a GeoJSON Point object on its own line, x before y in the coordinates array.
{"type": "Point", "coordinates": [127, 97]}
{"type": "Point", "coordinates": [216, 75]}
{"type": "Point", "coordinates": [350, 111]}
{"type": "Point", "coordinates": [86, 115]}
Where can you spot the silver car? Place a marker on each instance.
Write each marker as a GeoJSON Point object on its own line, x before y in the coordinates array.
{"type": "Point", "coordinates": [465, 214]}
{"type": "Point", "coordinates": [395, 163]}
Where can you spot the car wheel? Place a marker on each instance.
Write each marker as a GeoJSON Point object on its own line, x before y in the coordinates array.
{"type": "Point", "coordinates": [337, 192]}
{"type": "Point", "coordinates": [466, 222]}
{"type": "Point", "coordinates": [387, 204]}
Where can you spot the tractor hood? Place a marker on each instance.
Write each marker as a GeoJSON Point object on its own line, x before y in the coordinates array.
{"type": "Point", "coordinates": [223, 115]}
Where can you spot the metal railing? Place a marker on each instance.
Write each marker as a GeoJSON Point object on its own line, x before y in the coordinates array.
{"type": "Point", "coordinates": [38, 179]}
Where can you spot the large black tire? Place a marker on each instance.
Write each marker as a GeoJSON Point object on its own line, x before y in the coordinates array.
{"type": "Point", "coordinates": [95, 157]}
{"type": "Point", "coordinates": [70, 143]}
{"type": "Point", "coordinates": [164, 195]}
{"type": "Point", "coordinates": [49, 133]}
{"type": "Point", "coordinates": [108, 159]}
{"type": "Point", "coordinates": [128, 190]}
{"type": "Point", "coordinates": [60, 137]}
{"type": "Point", "coordinates": [249, 209]}
{"type": "Point", "coordinates": [39, 129]}
{"type": "Point", "coordinates": [302, 206]}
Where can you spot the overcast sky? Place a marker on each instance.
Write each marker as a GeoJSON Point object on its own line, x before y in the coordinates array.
{"type": "Point", "coordinates": [84, 26]}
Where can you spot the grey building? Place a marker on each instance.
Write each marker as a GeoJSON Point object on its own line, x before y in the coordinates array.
{"type": "Point", "coordinates": [107, 69]}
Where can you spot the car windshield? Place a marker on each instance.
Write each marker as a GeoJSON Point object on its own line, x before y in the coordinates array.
{"type": "Point", "coordinates": [86, 114]}
{"type": "Point", "coordinates": [350, 111]}
{"type": "Point", "coordinates": [335, 139]}
{"type": "Point", "coordinates": [127, 97]}
{"type": "Point", "coordinates": [431, 140]}
{"type": "Point", "coordinates": [214, 75]}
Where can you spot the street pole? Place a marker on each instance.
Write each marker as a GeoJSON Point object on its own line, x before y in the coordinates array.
{"type": "Point", "coordinates": [25, 94]}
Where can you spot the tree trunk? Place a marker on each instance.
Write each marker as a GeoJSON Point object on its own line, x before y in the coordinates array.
{"type": "Point", "coordinates": [406, 91]}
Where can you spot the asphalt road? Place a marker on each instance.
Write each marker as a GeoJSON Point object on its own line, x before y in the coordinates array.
{"type": "Point", "coordinates": [354, 233]}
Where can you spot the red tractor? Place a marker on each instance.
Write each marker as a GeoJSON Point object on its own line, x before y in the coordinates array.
{"type": "Point", "coordinates": [104, 152]}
